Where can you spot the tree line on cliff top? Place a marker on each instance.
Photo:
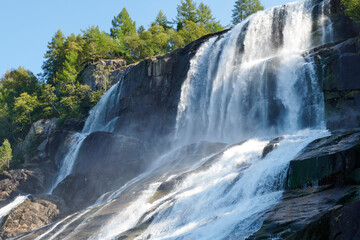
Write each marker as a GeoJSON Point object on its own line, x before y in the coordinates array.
{"type": "Point", "coordinates": [59, 91]}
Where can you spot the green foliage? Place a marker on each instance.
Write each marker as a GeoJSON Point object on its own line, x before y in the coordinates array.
{"type": "Point", "coordinates": [244, 8]}
{"type": "Point", "coordinates": [122, 25]}
{"type": "Point", "coordinates": [206, 19]}
{"type": "Point", "coordinates": [54, 57]}
{"type": "Point", "coordinates": [352, 9]}
{"type": "Point", "coordinates": [162, 21]}
{"type": "Point", "coordinates": [5, 155]}
{"type": "Point", "coordinates": [186, 10]}
{"type": "Point", "coordinates": [24, 106]}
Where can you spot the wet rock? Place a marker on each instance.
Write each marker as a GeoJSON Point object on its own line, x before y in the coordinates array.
{"type": "Point", "coordinates": [341, 223]}
{"type": "Point", "coordinates": [271, 146]}
{"type": "Point", "coordinates": [329, 160]}
{"type": "Point", "coordinates": [302, 208]}
{"type": "Point", "coordinates": [105, 160]}
{"type": "Point", "coordinates": [338, 66]}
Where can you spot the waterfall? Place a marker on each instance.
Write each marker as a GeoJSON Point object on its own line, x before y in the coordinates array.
{"type": "Point", "coordinates": [244, 88]}
{"type": "Point", "coordinates": [101, 118]}
{"type": "Point", "coordinates": [254, 81]}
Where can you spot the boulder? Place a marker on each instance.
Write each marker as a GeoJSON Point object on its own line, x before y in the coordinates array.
{"type": "Point", "coordinates": [21, 181]}
{"type": "Point", "coordinates": [105, 161]}
{"type": "Point", "coordinates": [330, 160]}
{"type": "Point", "coordinates": [34, 148]}
{"type": "Point", "coordinates": [32, 214]}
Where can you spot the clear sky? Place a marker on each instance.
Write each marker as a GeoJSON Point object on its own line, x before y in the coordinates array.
{"type": "Point", "coordinates": [26, 26]}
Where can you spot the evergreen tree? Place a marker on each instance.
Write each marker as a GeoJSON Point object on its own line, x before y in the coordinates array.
{"type": "Point", "coordinates": [5, 155]}
{"type": "Point", "coordinates": [54, 57]}
{"type": "Point", "coordinates": [122, 25]}
{"type": "Point", "coordinates": [352, 9]}
{"type": "Point", "coordinates": [244, 8]}
{"type": "Point", "coordinates": [186, 11]}
{"type": "Point", "coordinates": [49, 101]}
{"type": "Point", "coordinates": [206, 19]}
{"type": "Point", "coordinates": [161, 20]}
{"type": "Point", "coordinates": [23, 110]}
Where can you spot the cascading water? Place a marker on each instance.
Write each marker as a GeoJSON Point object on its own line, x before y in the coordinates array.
{"type": "Point", "coordinates": [100, 118]}
{"type": "Point", "coordinates": [255, 82]}
{"type": "Point", "coordinates": [260, 83]}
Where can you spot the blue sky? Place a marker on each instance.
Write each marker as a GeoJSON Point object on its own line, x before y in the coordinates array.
{"type": "Point", "coordinates": [27, 26]}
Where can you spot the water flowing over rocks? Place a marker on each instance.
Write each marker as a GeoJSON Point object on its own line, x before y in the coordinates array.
{"type": "Point", "coordinates": [211, 141]}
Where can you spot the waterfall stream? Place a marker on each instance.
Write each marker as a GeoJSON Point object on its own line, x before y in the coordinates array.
{"type": "Point", "coordinates": [243, 89]}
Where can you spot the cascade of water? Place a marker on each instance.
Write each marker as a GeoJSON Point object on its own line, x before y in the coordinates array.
{"type": "Point", "coordinates": [101, 118]}
{"type": "Point", "coordinates": [252, 81]}
{"type": "Point", "coordinates": [326, 23]}
{"type": "Point", "coordinates": [7, 209]}
{"type": "Point", "coordinates": [227, 199]}
{"type": "Point", "coordinates": [69, 160]}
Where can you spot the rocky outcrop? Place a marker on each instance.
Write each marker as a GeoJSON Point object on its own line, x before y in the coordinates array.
{"type": "Point", "coordinates": [341, 223]}
{"type": "Point", "coordinates": [35, 146]}
{"type": "Point", "coordinates": [150, 91]}
{"type": "Point", "coordinates": [20, 182]}
{"type": "Point", "coordinates": [115, 68]}
{"type": "Point", "coordinates": [303, 208]}
{"type": "Point", "coordinates": [339, 69]}
{"type": "Point", "coordinates": [330, 160]}
{"type": "Point", "coordinates": [105, 160]}
{"type": "Point", "coordinates": [30, 215]}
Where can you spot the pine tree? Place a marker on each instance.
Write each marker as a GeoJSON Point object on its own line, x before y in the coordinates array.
{"type": "Point", "coordinates": [206, 19]}
{"type": "Point", "coordinates": [161, 20]}
{"type": "Point", "coordinates": [244, 8]}
{"type": "Point", "coordinates": [54, 57]}
{"type": "Point", "coordinates": [5, 155]}
{"type": "Point", "coordinates": [187, 10]}
{"type": "Point", "coordinates": [122, 25]}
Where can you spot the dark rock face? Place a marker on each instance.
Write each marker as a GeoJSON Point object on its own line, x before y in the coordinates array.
{"type": "Point", "coordinates": [150, 93]}
{"type": "Point", "coordinates": [301, 208]}
{"type": "Point", "coordinates": [271, 146]}
{"type": "Point", "coordinates": [339, 69]}
{"type": "Point", "coordinates": [329, 160]}
{"type": "Point", "coordinates": [341, 223]}
{"type": "Point", "coordinates": [105, 160]}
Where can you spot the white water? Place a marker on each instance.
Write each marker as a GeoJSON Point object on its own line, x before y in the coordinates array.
{"type": "Point", "coordinates": [252, 83]}
{"type": "Point", "coordinates": [97, 121]}
{"type": "Point", "coordinates": [4, 211]}
{"type": "Point", "coordinates": [69, 160]}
